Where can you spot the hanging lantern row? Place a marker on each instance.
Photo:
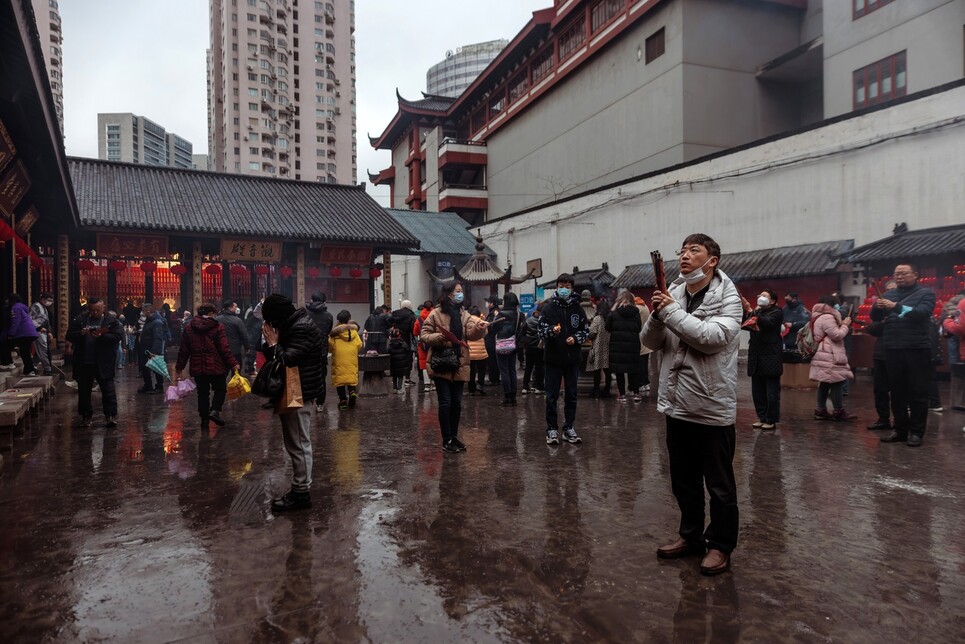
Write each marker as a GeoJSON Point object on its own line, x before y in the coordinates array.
{"type": "Point", "coordinates": [148, 267]}
{"type": "Point", "coordinates": [314, 272]}
{"type": "Point", "coordinates": [238, 270]}
{"type": "Point", "coordinates": [213, 269]}
{"type": "Point", "coordinates": [179, 269]}
{"type": "Point", "coordinates": [117, 265]}
{"type": "Point", "coordinates": [261, 270]}
{"type": "Point", "coordinates": [85, 265]}
{"type": "Point", "coordinates": [286, 271]}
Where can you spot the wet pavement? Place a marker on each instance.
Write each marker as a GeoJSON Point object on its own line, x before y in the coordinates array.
{"type": "Point", "coordinates": [155, 531]}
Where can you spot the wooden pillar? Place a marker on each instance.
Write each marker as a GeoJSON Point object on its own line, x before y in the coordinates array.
{"type": "Point", "coordinates": [196, 275]}
{"type": "Point", "coordinates": [300, 276]}
{"type": "Point", "coordinates": [387, 279]}
{"type": "Point", "coordinates": [29, 296]}
{"type": "Point", "coordinates": [13, 253]}
{"type": "Point", "coordinates": [112, 290]}
{"type": "Point", "coordinates": [62, 272]}
{"type": "Point", "coordinates": [225, 283]}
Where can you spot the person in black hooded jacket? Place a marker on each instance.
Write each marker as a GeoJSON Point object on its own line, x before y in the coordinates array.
{"type": "Point", "coordinates": [624, 326]}
{"type": "Point", "coordinates": [508, 325]}
{"type": "Point", "coordinates": [318, 311]}
{"type": "Point", "coordinates": [292, 336]}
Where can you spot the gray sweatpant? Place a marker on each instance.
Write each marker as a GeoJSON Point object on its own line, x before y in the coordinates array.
{"type": "Point", "coordinates": [296, 432]}
{"type": "Point", "coordinates": [42, 349]}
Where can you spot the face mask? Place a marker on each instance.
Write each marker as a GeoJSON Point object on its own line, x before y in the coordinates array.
{"type": "Point", "coordinates": [564, 292]}
{"type": "Point", "coordinates": [763, 301]}
{"type": "Point", "coordinates": [837, 307]}
{"type": "Point", "coordinates": [458, 297]}
{"type": "Point", "coordinates": [695, 276]}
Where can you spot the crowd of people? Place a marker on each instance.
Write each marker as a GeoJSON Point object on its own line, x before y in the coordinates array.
{"type": "Point", "coordinates": [692, 329]}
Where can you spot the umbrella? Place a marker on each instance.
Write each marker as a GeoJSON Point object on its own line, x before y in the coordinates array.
{"type": "Point", "coordinates": [157, 365]}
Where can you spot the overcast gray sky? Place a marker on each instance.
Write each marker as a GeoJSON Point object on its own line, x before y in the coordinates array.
{"type": "Point", "coordinates": [148, 57]}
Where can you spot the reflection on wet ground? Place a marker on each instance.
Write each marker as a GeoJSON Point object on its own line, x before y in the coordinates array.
{"type": "Point", "coordinates": [158, 532]}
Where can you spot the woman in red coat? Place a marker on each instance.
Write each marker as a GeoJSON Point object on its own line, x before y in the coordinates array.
{"type": "Point", "coordinates": [205, 344]}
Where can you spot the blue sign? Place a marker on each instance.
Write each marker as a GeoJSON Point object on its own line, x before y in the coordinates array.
{"type": "Point", "coordinates": [527, 302]}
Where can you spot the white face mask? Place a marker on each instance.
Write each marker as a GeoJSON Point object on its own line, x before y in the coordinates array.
{"type": "Point", "coordinates": [763, 301]}
{"type": "Point", "coordinates": [695, 276]}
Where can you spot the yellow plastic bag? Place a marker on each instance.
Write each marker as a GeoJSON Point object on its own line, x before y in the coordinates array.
{"type": "Point", "coordinates": [238, 387]}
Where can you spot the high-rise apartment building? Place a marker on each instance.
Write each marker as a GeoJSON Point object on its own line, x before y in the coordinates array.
{"type": "Point", "coordinates": [281, 89]}
{"type": "Point", "coordinates": [47, 14]}
{"type": "Point", "coordinates": [134, 139]}
{"type": "Point", "coordinates": [461, 67]}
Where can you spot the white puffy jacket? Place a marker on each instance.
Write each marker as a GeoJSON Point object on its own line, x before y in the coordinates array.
{"type": "Point", "coordinates": [698, 351]}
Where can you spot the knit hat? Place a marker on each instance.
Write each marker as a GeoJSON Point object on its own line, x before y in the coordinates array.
{"type": "Point", "coordinates": [406, 304]}
{"type": "Point", "coordinates": [277, 308]}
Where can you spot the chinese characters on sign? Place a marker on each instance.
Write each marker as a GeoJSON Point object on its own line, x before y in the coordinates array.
{"type": "Point", "coordinates": [359, 255]}
{"type": "Point", "coordinates": [250, 251]}
{"type": "Point", "coordinates": [27, 220]}
{"type": "Point", "coordinates": [7, 148]}
{"type": "Point", "coordinates": [13, 187]}
{"type": "Point", "coordinates": [111, 245]}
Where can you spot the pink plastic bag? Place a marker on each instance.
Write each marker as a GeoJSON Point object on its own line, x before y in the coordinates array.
{"type": "Point", "coordinates": [185, 387]}
{"type": "Point", "coordinates": [171, 395]}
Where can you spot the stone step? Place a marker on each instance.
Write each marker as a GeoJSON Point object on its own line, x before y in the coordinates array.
{"type": "Point", "coordinates": [41, 382]}
{"type": "Point", "coordinates": [12, 410]}
{"type": "Point", "coordinates": [33, 395]}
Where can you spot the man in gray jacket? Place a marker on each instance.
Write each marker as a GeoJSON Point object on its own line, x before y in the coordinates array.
{"type": "Point", "coordinates": [696, 328]}
{"type": "Point", "coordinates": [235, 329]}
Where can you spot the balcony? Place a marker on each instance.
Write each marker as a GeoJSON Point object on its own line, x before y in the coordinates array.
{"type": "Point", "coordinates": [457, 197]}
{"type": "Point", "coordinates": [454, 152]}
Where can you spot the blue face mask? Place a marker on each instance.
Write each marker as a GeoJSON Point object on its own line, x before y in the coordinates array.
{"type": "Point", "coordinates": [564, 292]}
{"type": "Point", "coordinates": [458, 297]}
{"type": "Point", "coordinates": [837, 307]}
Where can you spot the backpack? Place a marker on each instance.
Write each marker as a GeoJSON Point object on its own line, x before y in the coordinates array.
{"type": "Point", "coordinates": [807, 346]}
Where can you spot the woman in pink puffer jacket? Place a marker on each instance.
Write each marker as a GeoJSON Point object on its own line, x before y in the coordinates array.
{"type": "Point", "coordinates": [829, 366]}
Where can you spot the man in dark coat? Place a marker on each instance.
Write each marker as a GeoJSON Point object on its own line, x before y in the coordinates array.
{"type": "Point", "coordinates": [879, 372]}
{"type": "Point", "coordinates": [765, 357]}
{"type": "Point", "coordinates": [906, 312]}
{"type": "Point", "coordinates": [235, 330]}
{"type": "Point", "coordinates": [292, 336]}
{"type": "Point", "coordinates": [403, 319]}
{"type": "Point", "coordinates": [318, 310]}
{"type": "Point", "coordinates": [796, 315]}
{"type": "Point", "coordinates": [377, 330]}
{"type": "Point", "coordinates": [563, 327]}
{"type": "Point", "coordinates": [492, 367]}
{"type": "Point", "coordinates": [151, 343]}
{"type": "Point", "coordinates": [95, 336]}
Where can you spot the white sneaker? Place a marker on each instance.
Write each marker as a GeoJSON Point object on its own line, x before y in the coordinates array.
{"type": "Point", "coordinates": [427, 388]}
{"type": "Point", "coordinates": [71, 383]}
{"type": "Point", "coordinates": [7, 367]}
{"type": "Point", "coordinates": [409, 383]}
{"type": "Point", "coordinates": [936, 409]}
{"type": "Point", "coordinates": [524, 391]}
{"type": "Point", "coordinates": [399, 392]}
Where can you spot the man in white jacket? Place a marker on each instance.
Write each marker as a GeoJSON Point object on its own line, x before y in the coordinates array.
{"type": "Point", "coordinates": [696, 328]}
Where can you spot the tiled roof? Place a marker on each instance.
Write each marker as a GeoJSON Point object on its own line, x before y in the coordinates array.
{"type": "Point", "coordinates": [772, 263]}
{"type": "Point", "coordinates": [911, 244]}
{"type": "Point", "coordinates": [585, 279]}
{"type": "Point", "coordinates": [430, 103]}
{"type": "Point", "coordinates": [137, 197]}
{"type": "Point", "coordinates": [440, 233]}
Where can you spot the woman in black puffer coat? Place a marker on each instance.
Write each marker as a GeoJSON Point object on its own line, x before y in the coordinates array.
{"type": "Point", "coordinates": [624, 326]}
{"type": "Point", "coordinates": [292, 335]}
{"type": "Point", "coordinates": [508, 324]}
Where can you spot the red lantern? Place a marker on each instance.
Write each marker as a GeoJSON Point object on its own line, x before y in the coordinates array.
{"type": "Point", "coordinates": [148, 267]}
{"type": "Point", "coordinates": [314, 272]}
{"type": "Point", "coordinates": [238, 269]}
{"type": "Point", "coordinates": [261, 270]}
{"type": "Point", "coordinates": [355, 273]}
{"type": "Point", "coordinates": [85, 265]}
{"type": "Point", "coordinates": [117, 265]}
{"type": "Point", "coordinates": [179, 269]}
{"type": "Point", "coordinates": [286, 271]}
{"type": "Point", "coordinates": [375, 273]}
{"type": "Point", "coordinates": [213, 269]}
{"type": "Point", "coordinates": [335, 271]}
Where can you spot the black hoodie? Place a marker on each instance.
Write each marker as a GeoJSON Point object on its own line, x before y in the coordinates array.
{"type": "Point", "coordinates": [322, 318]}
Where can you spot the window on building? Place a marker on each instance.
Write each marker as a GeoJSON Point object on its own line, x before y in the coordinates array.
{"type": "Point", "coordinates": [603, 12]}
{"type": "Point", "coordinates": [496, 105]}
{"type": "Point", "coordinates": [254, 165]}
{"type": "Point", "coordinates": [253, 107]}
{"type": "Point", "coordinates": [572, 38]}
{"type": "Point", "coordinates": [478, 120]}
{"type": "Point", "coordinates": [880, 81]}
{"type": "Point", "coordinates": [864, 7]}
{"type": "Point", "coordinates": [655, 46]}
{"type": "Point", "coordinates": [542, 64]}
{"type": "Point", "coordinates": [518, 86]}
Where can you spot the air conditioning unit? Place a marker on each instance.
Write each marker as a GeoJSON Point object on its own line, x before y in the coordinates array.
{"type": "Point", "coordinates": [338, 111]}
{"type": "Point", "coordinates": [337, 93]}
{"type": "Point", "coordinates": [246, 138]}
{"type": "Point", "coordinates": [251, 68]}
{"type": "Point", "coordinates": [338, 82]}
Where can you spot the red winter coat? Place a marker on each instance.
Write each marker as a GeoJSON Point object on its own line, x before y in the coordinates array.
{"type": "Point", "coordinates": [416, 329]}
{"type": "Point", "coordinates": [205, 344]}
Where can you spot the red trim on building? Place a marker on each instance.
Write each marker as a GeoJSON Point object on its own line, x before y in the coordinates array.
{"type": "Point", "coordinates": [462, 158]}
{"type": "Point", "coordinates": [463, 203]}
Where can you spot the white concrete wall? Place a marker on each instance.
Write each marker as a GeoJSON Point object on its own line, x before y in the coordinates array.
{"type": "Point", "coordinates": [852, 179]}
{"type": "Point", "coordinates": [929, 30]}
{"type": "Point", "coordinates": [409, 280]}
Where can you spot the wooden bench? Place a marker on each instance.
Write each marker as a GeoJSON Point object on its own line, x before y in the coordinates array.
{"type": "Point", "coordinates": [373, 368]}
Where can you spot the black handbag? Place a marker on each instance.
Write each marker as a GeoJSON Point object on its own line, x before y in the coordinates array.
{"type": "Point", "coordinates": [445, 360]}
{"type": "Point", "coordinates": [270, 381]}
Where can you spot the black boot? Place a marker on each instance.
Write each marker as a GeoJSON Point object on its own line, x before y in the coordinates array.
{"type": "Point", "coordinates": [506, 401]}
{"type": "Point", "coordinates": [292, 500]}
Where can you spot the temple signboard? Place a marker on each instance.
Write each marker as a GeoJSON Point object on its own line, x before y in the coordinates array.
{"type": "Point", "coordinates": [358, 255]}
{"type": "Point", "coordinates": [119, 245]}
{"type": "Point", "coordinates": [250, 251]}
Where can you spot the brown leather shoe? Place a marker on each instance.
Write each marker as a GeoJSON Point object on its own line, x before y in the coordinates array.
{"type": "Point", "coordinates": [715, 562]}
{"type": "Point", "coordinates": [679, 548]}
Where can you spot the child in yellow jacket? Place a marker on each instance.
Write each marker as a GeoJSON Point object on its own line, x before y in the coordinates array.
{"type": "Point", "coordinates": [477, 359]}
{"type": "Point", "coordinates": [344, 344]}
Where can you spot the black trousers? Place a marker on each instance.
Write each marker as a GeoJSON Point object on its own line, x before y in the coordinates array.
{"type": "Point", "coordinates": [477, 374]}
{"type": "Point", "coordinates": [879, 375]}
{"type": "Point", "coordinates": [604, 375]}
{"type": "Point", "coordinates": [624, 380]}
{"type": "Point", "coordinates": [534, 369]}
{"type": "Point", "coordinates": [86, 375]}
{"type": "Point", "coordinates": [766, 392]}
{"type": "Point", "coordinates": [644, 377]}
{"type": "Point", "coordinates": [205, 385]}
{"type": "Point", "coordinates": [24, 347]}
{"type": "Point", "coordinates": [449, 395]}
{"type": "Point", "coordinates": [152, 379]}
{"type": "Point", "coordinates": [909, 375]}
{"type": "Point", "coordinates": [320, 398]}
{"type": "Point", "coordinates": [557, 375]}
{"type": "Point", "coordinates": [704, 455]}
{"type": "Point", "coordinates": [507, 373]}
{"type": "Point", "coordinates": [492, 367]}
